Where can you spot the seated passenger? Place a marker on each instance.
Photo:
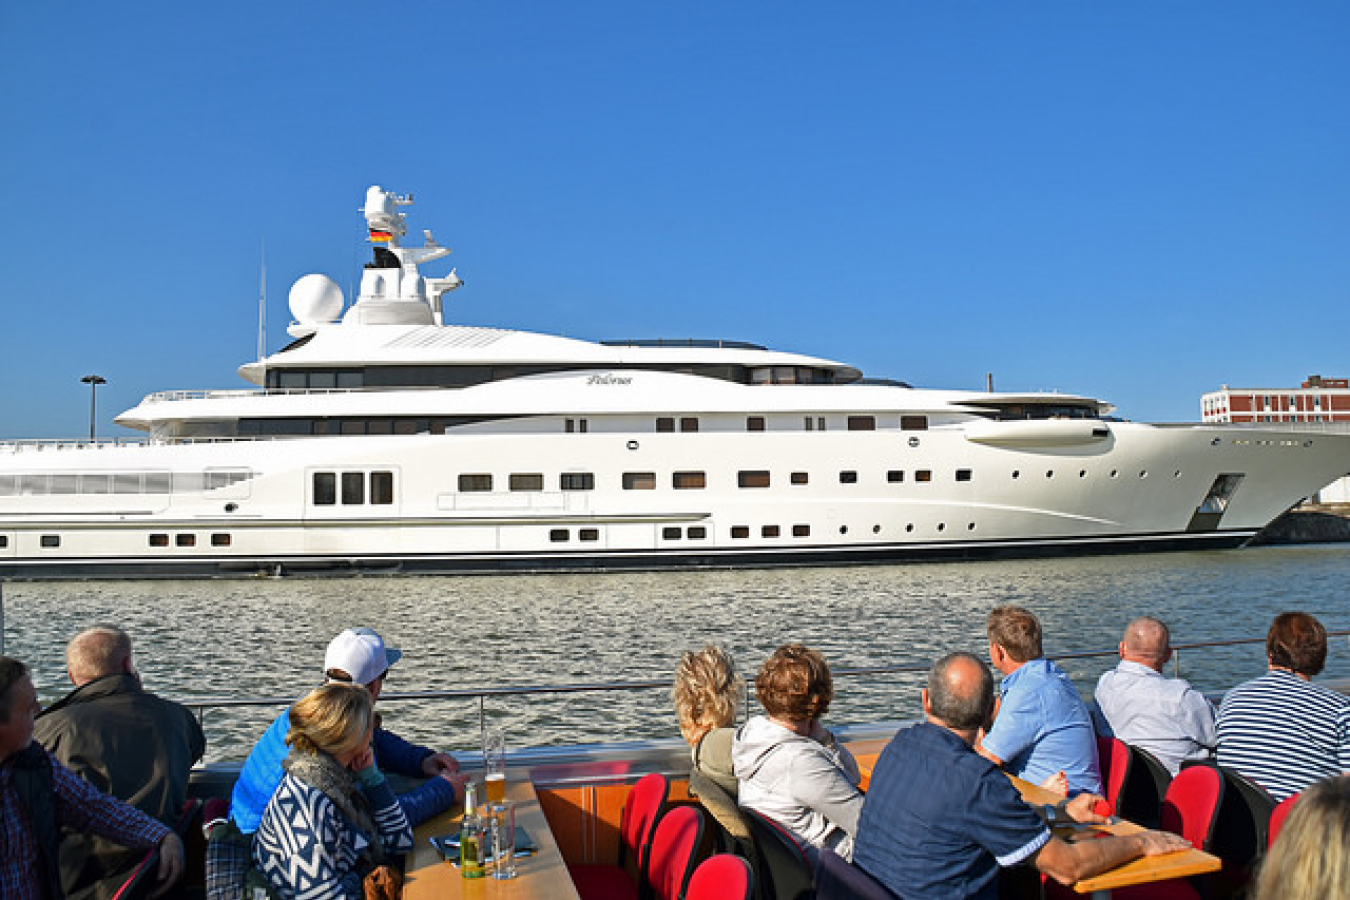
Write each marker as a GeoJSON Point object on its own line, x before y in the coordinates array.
{"type": "Point", "coordinates": [790, 767]}
{"type": "Point", "coordinates": [1281, 730]}
{"type": "Point", "coordinates": [706, 694]}
{"type": "Point", "coordinates": [1311, 857]}
{"type": "Point", "coordinates": [333, 818]}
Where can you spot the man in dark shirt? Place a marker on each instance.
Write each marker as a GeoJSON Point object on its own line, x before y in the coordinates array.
{"type": "Point", "coordinates": [124, 741]}
{"type": "Point", "coordinates": [939, 820]}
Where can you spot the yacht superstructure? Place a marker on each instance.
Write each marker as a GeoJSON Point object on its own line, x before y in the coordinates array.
{"type": "Point", "coordinates": [383, 439]}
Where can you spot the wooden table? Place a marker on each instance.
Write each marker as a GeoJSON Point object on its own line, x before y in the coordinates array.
{"type": "Point", "coordinates": [1144, 870]}
{"type": "Point", "coordinates": [542, 875]}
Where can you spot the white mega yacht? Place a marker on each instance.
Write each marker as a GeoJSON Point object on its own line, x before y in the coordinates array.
{"type": "Point", "coordinates": [384, 439]}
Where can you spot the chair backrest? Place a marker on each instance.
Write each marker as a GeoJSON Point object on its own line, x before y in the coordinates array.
{"type": "Point", "coordinates": [1191, 807]}
{"type": "Point", "coordinates": [786, 869]}
{"type": "Point", "coordinates": [732, 829]}
{"type": "Point", "coordinates": [721, 877]}
{"type": "Point", "coordinates": [838, 879]}
{"type": "Point", "coordinates": [139, 883]}
{"type": "Point", "coordinates": [675, 851]}
{"type": "Point", "coordinates": [1277, 818]}
{"type": "Point", "coordinates": [646, 799]}
{"type": "Point", "coordinates": [1114, 757]}
{"type": "Point", "coordinates": [1244, 819]}
{"type": "Point", "coordinates": [1142, 797]}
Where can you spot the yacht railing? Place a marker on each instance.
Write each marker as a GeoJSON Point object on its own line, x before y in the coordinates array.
{"type": "Point", "coordinates": [483, 694]}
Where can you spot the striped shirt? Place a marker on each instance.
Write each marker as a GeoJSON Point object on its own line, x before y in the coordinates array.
{"type": "Point", "coordinates": [1284, 733]}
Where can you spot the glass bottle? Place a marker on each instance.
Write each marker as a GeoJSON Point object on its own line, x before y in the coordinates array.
{"type": "Point", "coordinates": [471, 836]}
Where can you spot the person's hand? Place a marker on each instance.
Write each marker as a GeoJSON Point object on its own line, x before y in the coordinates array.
{"type": "Point", "coordinates": [439, 763]}
{"type": "Point", "coordinates": [1080, 808]}
{"type": "Point", "coordinates": [457, 780]}
{"type": "Point", "coordinates": [1057, 783]}
{"type": "Point", "coordinates": [1156, 843]}
{"type": "Point", "coordinates": [363, 759]}
{"type": "Point", "coordinates": [171, 863]}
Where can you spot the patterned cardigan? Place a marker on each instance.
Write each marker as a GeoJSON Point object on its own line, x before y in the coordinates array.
{"type": "Point", "coordinates": [309, 850]}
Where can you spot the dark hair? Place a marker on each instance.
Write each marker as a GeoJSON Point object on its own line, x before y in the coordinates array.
{"type": "Point", "coordinates": [795, 684]}
{"type": "Point", "coordinates": [1298, 642]}
{"type": "Point", "coordinates": [957, 705]}
{"type": "Point", "coordinates": [1016, 630]}
{"type": "Point", "coordinates": [11, 673]}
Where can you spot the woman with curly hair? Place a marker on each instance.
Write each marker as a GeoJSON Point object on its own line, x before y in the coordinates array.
{"type": "Point", "coordinates": [333, 818]}
{"type": "Point", "coordinates": [790, 767]}
{"type": "Point", "coordinates": [706, 695]}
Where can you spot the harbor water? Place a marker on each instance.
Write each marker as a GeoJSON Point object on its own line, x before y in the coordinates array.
{"type": "Point", "coordinates": [265, 637]}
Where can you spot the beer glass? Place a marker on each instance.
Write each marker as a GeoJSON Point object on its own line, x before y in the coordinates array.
{"type": "Point", "coordinates": [494, 765]}
{"type": "Point", "coordinates": [503, 839]}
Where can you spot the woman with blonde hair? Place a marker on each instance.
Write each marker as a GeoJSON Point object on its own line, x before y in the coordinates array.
{"type": "Point", "coordinates": [706, 695]}
{"type": "Point", "coordinates": [1311, 857]}
{"type": "Point", "coordinates": [790, 766]}
{"type": "Point", "coordinates": [333, 819]}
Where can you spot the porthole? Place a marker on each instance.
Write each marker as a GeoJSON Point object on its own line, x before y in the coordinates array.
{"type": "Point", "coordinates": [843, 529]}
{"type": "Point", "coordinates": [50, 541]}
{"type": "Point", "coordinates": [558, 535]}
{"type": "Point", "coordinates": [740, 531]}
{"type": "Point", "coordinates": [1016, 474]}
{"type": "Point", "coordinates": [185, 540]}
{"type": "Point", "coordinates": [876, 529]}
{"type": "Point", "coordinates": [632, 445]}
{"type": "Point", "coordinates": [942, 526]}
{"type": "Point", "coordinates": [1050, 473]}
{"type": "Point", "coordinates": [159, 540]}
{"type": "Point", "coordinates": [589, 534]}
{"type": "Point", "coordinates": [801, 530]}
{"type": "Point", "coordinates": [909, 527]}
{"type": "Point", "coordinates": [670, 533]}
{"type": "Point", "coordinates": [221, 540]}
{"type": "Point", "coordinates": [970, 527]}
{"type": "Point", "coordinates": [769, 531]}
{"type": "Point", "coordinates": [696, 533]}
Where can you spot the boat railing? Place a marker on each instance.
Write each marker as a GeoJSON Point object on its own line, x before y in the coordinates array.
{"type": "Point", "coordinates": [483, 695]}
{"type": "Point", "coordinates": [23, 445]}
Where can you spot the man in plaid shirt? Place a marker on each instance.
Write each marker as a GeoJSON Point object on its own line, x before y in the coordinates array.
{"type": "Point", "coordinates": [39, 796]}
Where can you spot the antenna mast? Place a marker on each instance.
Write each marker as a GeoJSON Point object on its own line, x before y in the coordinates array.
{"type": "Point", "coordinates": [262, 303]}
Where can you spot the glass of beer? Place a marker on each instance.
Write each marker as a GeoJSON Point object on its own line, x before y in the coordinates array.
{"type": "Point", "coordinates": [494, 765]}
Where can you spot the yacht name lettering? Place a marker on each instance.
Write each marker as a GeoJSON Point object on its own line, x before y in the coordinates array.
{"type": "Point", "coordinates": [610, 379]}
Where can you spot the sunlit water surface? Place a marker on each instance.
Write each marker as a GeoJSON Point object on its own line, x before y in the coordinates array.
{"type": "Point", "coordinates": [265, 637]}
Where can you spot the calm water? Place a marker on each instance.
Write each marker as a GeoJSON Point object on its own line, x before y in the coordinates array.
{"type": "Point", "coordinates": [265, 637]}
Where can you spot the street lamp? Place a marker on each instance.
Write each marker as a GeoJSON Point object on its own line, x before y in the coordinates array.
{"type": "Point", "coordinates": [93, 381]}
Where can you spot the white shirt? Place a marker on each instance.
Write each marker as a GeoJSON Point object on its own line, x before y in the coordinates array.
{"type": "Point", "coordinates": [1165, 716]}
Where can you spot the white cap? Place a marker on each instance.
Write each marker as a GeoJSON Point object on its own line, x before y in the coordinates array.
{"type": "Point", "coordinates": [361, 653]}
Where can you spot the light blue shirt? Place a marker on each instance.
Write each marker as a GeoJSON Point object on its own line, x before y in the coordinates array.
{"type": "Point", "coordinates": [1043, 727]}
{"type": "Point", "coordinates": [1165, 716]}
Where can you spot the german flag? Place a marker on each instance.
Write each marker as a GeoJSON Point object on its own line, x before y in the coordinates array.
{"type": "Point", "coordinates": [380, 236]}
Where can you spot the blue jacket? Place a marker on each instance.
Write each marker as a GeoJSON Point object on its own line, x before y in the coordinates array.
{"type": "Point", "coordinates": [262, 773]}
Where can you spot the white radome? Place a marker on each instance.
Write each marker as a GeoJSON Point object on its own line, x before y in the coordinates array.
{"type": "Point", "coordinates": [315, 299]}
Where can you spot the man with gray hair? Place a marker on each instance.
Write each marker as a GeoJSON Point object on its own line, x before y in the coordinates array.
{"type": "Point", "coordinates": [940, 821]}
{"type": "Point", "coordinates": [1138, 704]}
{"type": "Point", "coordinates": [124, 741]}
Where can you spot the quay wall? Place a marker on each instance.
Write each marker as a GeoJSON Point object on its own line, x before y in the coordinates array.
{"type": "Point", "coordinates": [1309, 523]}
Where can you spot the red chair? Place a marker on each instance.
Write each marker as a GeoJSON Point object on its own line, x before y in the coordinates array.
{"type": "Point", "coordinates": [1116, 762]}
{"type": "Point", "coordinates": [1190, 809]}
{"type": "Point", "coordinates": [646, 799]}
{"type": "Point", "coordinates": [1277, 818]}
{"type": "Point", "coordinates": [675, 851]}
{"type": "Point", "coordinates": [721, 877]}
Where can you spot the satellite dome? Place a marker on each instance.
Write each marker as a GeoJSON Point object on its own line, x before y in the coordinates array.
{"type": "Point", "coordinates": [315, 299]}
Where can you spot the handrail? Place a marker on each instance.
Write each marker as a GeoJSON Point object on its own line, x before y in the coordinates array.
{"type": "Point", "coordinates": [201, 705]}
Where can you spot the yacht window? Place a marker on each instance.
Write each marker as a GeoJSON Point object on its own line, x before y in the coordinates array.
{"type": "Point", "coordinates": [849, 477]}
{"type": "Point", "coordinates": [558, 535]}
{"type": "Point", "coordinates": [410, 426]}
{"type": "Point", "coordinates": [158, 483]}
{"type": "Point", "coordinates": [800, 478]}
{"type": "Point", "coordinates": [815, 423]}
{"type": "Point", "coordinates": [670, 533]}
{"type": "Point", "coordinates": [684, 481]}
{"type": "Point", "coordinates": [913, 423]}
{"type": "Point", "coordinates": [380, 426]}
{"type": "Point", "coordinates": [589, 534]}
{"type": "Point", "coordinates": [740, 531]}
{"type": "Point", "coordinates": [50, 541]}
{"type": "Point", "coordinates": [754, 423]}
{"type": "Point", "coordinates": [7, 485]}
{"type": "Point", "coordinates": [895, 476]}
{"type": "Point", "coordinates": [31, 485]}
{"type": "Point", "coordinates": [220, 540]}
{"type": "Point", "coordinates": [65, 484]}
{"type": "Point", "coordinates": [689, 424]}
{"type": "Point", "coordinates": [639, 481]}
{"type": "Point", "coordinates": [758, 478]}
{"type": "Point", "coordinates": [923, 475]}
{"type": "Point", "coordinates": [353, 488]}
{"type": "Point", "coordinates": [769, 531]}
{"type": "Point", "coordinates": [697, 532]}
{"type": "Point", "coordinates": [801, 530]}
{"type": "Point", "coordinates": [159, 540]}
{"type": "Point", "coordinates": [470, 483]}
{"type": "Point", "coordinates": [126, 483]}
{"type": "Point", "coordinates": [348, 380]}
{"type": "Point", "coordinates": [291, 381]}
{"type": "Point", "coordinates": [526, 481]}
{"type": "Point", "coordinates": [382, 488]}
{"type": "Point", "coordinates": [665, 424]}
{"type": "Point", "coordinates": [323, 380]}
{"type": "Point", "coordinates": [963, 474]}
{"type": "Point", "coordinates": [325, 488]}
{"type": "Point", "coordinates": [575, 426]}
{"type": "Point", "coordinates": [353, 426]}
{"type": "Point", "coordinates": [185, 540]}
{"type": "Point", "coordinates": [4, 541]}
{"type": "Point", "coordinates": [862, 423]}
{"type": "Point", "coordinates": [577, 481]}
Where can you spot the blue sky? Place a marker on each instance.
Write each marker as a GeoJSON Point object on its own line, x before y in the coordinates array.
{"type": "Point", "coordinates": [1140, 201]}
